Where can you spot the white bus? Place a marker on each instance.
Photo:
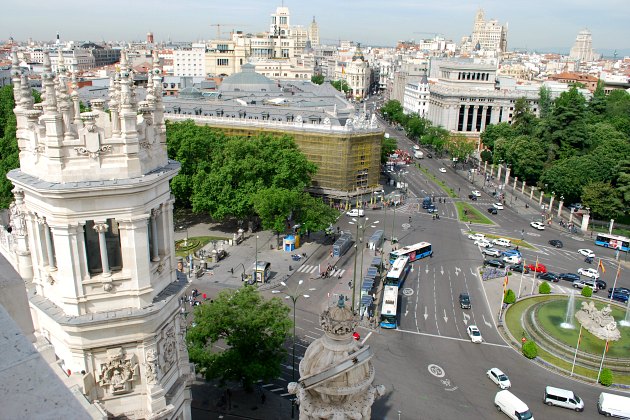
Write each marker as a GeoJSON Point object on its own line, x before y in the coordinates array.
{"type": "Point", "coordinates": [398, 272]}
{"type": "Point", "coordinates": [389, 309]}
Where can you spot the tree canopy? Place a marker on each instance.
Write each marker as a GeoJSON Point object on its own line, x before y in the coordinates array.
{"type": "Point", "coordinates": [251, 331]}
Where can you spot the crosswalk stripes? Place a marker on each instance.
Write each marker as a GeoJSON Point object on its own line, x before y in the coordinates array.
{"type": "Point", "coordinates": [310, 269]}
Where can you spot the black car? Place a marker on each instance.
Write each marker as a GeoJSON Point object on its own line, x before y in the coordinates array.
{"type": "Point", "coordinates": [556, 242]}
{"type": "Point", "coordinates": [601, 284]}
{"type": "Point", "coordinates": [429, 155]}
{"type": "Point", "coordinates": [548, 276]}
{"type": "Point", "coordinates": [619, 290]}
{"type": "Point", "coordinates": [472, 197]}
{"type": "Point", "coordinates": [464, 301]}
{"type": "Point", "coordinates": [519, 268]}
{"type": "Point", "coordinates": [494, 263]}
{"type": "Point", "coordinates": [492, 210]}
{"type": "Point", "coordinates": [568, 276]}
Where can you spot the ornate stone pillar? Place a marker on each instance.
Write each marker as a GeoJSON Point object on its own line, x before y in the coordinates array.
{"type": "Point", "coordinates": [507, 176]}
{"type": "Point", "coordinates": [155, 213]}
{"type": "Point", "coordinates": [101, 228]}
{"type": "Point", "coordinates": [499, 174]}
{"type": "Point", "coordinates": [585, 220]}
{"type": "Point", "coordinates": [49, 245]}
{"type": "Point", "coordinates": [542, 193]}
{"type": "Point", "coordinates": [473, 127]}
{"type": "Point", "coordinates": [531, 193]}
{"type": "Point", "coordinates": [515, 180]}
{"type": "Point", "coordinates": [523, 187]}
{"type": "Point", "coordinates": [560, 204]}
{"type": "Point", "coordinates": [551, 203]}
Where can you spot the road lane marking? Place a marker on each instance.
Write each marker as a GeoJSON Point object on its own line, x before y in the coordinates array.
{"type": "Point", "coordinates": [452, 338]}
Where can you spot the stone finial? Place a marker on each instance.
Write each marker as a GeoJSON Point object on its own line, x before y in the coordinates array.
{"type": "Point", "coordinates": [338, 322]}
{"type": "Point", "coordinates": [26, 96]}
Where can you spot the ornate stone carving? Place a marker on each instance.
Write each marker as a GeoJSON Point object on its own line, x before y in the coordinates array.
{"type": "Point", "coordinates": [118, 373]}
{"type": "Point", "coordinates": [600, 323]}
{"type": "Point", "coordinates": [91, 135]}
{"type": "Point", "coordinates": [17, 221]}
{"type": "Point", "coordinates": [151, 366]}
{"type": "Point", "coordinates": [168, 348]}
{"type": "Point", "coordinates": [299, 119]}
{"type": "Point", "coordinates": [100, 227]}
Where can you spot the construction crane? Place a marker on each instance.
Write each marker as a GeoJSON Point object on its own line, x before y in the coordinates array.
{"type": "Point", "coordinates": [218, 25]}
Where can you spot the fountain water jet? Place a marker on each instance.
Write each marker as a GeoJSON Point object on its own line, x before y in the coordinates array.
{"type": "Point", "coordinates": [568, 321]}
{"type": "Point", "coordinates": [626, 321]}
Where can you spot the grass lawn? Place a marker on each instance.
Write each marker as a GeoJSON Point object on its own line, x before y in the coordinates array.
{"type": "Point", "coordinates": [473, 216]}
{"type": "Point", "coordinates": [448, 190]}
{"type": "Point", "coordinates": [515, 242]}
{"type": "Point", "coordinates": [513, 324]}
{"type": "Point", "coordinates": [194, 244]}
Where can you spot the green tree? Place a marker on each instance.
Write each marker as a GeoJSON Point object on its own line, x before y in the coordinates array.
{"type": "Point", "coordinates": [251, 331]}
{"type": "Point", "coordinates": [274, 205]}
{"type": "Point", "coordinates": [597, 104]}
{"type": "Point", "coordinates": [486, 155]}
{"type": "Point", "coordinates": [416, 126]}
{"type": "Point", "coordinates": [623, 182]}
{"type": "Point", "coordinates": [388, 146]}
{"type": "Point", "coordinates": [392, 111]}
{"type": "Point", "coordinates": [436, 137]}
{"type": "Point", "coordinates": [494, 132]}
{"type": "Point", "coordinates": [587, 291]}
{"type": "Point", "coordinates": [340, 85]}
{"type": "Point", "coordinates": [523, 154]}
{"type": "Point", "coordinates": [313, 214]}
{"type": "Point", "coordinates": [603, 200]}
{"type": "Point", "coordinates": [544, 288]}
{"type": "Point", "coordinates": [566, 125]}
{"type": "Point", "coordinates": [530, 349]}
{"type": "Point", "coordinates": [545, 103]}
{"type": "Point", "coordinates": [606, 377]}
{"type": "Point", "coordinates": [523, 119]}
{"type": "Point", "coordinates": [510, 297]}
{"type": "Point", "coordinates": [460, 147]}
{"type": "Point", "coordinates": [318, 79]}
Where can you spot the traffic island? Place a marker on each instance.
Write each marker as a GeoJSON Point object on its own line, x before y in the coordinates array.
{"type": "Point", "coordinates": [469, 214]}
{"type": "Point", "coordinates": [540, 318]}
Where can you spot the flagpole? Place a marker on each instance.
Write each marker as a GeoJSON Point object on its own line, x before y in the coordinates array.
{"type": "Point", "coordinates": [521, 283]}
{"type": "Point", "coordinates": [534, 276]}
{"type": "Point", "coordinates": [615, 282]}
{"type": "Point", "coordinates": [576, 350]}
{"type": "Point", "coordinates": [502, 296]}
{"type": "Point", "coordinates": [602, 363]}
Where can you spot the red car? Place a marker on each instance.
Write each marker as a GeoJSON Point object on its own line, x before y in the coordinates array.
{"type": "Point", "coordinates": [539, 269]}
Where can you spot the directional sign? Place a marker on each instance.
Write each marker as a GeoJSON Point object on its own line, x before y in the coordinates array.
{"type": "Point", "coordinates": [457, 270]}
{"type": "Point", "coordinates": [441, 270]}
{"type": "Point", "coordinates": [445, 317]}
{"type": "Point", "coordinates": [407, 291]}
{"type": "Point", "coordinates": [486, 322]}
{"type": "Point", "coordinates": [426, 314]}
{"type": "Point", "coordinates": [466, 317]}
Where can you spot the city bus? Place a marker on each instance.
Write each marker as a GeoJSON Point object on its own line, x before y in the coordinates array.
{"type": "Point", "coordinates": [613, 241]}
{"type": "Point", "coordinates": [414, 252]}
{"type": "Point", "coordinates": [398, 272]}
{"type": "Point", "coordinates": [389, 309]}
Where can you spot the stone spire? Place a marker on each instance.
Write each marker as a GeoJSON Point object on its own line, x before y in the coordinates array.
{"type": "Point", "coordinates": [336, 374]}
{"type": "Point", "coordinates": [49, 86]}
{"type": "Point", "coordinates": [15, 76]}
{"type": "Point", "coordinates": [74, 96]}
{"type": "Point", "coordinates": [26, 96]}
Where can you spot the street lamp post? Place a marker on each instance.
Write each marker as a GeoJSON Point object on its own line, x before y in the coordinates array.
{"type": "Point", "coordinates": [256, 262]}
{"type": "Point", "coordinates": [294, 297]}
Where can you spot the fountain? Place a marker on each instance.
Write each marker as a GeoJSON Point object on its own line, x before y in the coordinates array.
{"type": "Point", "coordinates": [568, 321]}
{"type": "Point", "coordinates": [626, 321]}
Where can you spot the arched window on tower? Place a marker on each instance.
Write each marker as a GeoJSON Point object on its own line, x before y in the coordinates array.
{"type": "Point", "coordinates": [102, 246]}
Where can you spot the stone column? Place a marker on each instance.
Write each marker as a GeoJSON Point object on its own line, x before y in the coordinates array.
{"type": "Point", "coordinates": [531, 193]}
{"type": "Point", "coordinates": [551, 203]}
{"type": "Point", "coordinates": [542, 193]}
{"type": "Point", "coordinates": [49, 246]}
{"type": "Point", "coordinates": [82, 249]}
{"type": "Point", "coordinates": [484, 113]}
{"type": "Point", "coordinates": [465, 125]}
{"type": "Point", "coordinates": [570, 216]}
{"type": "Point", "coordinates": [507, 176]}
{"type": "Point", "coordinates": [523, 187]}
{"type": "Point", "coordinates": [473, 127]}
{"type": "Point", "coordinates": [499, 174]}
{"type": "Point", "coordinates": [560, 208]}
{"type": "Point", "coordinates": [101, 228]}
{"type": "Point", "coordinates": [515, 180]}
{"type": "Point", "coordinates": [155, 213]}
{"type": "Point", "coordinates": [585, 220]}
{"type": "Point", "coordinates": [136, 253]}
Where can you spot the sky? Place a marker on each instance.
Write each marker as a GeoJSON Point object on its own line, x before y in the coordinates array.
{"type": "Point", "coordinates": [542, 25]}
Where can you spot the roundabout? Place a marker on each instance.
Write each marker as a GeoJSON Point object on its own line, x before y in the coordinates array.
{"type": "Point", "coordinates": [549, 320]}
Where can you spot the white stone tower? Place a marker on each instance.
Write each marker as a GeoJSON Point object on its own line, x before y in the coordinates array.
{"type": "Point", "coordinates": [93, 200]}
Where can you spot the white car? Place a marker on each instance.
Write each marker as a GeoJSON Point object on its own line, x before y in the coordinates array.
{"type": "Point", "coordinates": [356, 213]}
{"type": "Point", "coordinates": [589, 272]}
{"type": "Point", "coordinates": [476, 236]}
{"type": "Point", "coordinates": [512, 259]}
{"type": "Point", "coordinates": [537, 225]}
{"type": "Point", "coordinates": [474, 334]}
{"type": "Point", "coordinates": [586, 252]}
{"type": "Point", "coordinates": [502, 242]}
{"type": "Point", "coordinates": [476, 193]}
{"type": "Point", "coordinates": [416, 147]}
{"type": "Point", "coordinates": [484, 243]}
{"type": "Point", "coordinates": [493, 252]}
{"type": "Point", "coordinates": [497, 206]}
{"type": "Point", "coordinates": [499, 378]}
{"type": "Point", "coordinates": [443, 170]}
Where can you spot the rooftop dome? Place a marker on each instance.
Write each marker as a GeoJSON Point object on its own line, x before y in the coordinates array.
{"type": "Point", "coordinates": [249, 81]}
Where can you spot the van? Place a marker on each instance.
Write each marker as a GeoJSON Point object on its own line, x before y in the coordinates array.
{"type": "Point", "coordinates": [356, 213]}
{"type": "Point", "coordinates": [513, 407]}
{"type": "Point", "coordinates": [613, 405]}
{"type": "Point", "coordinates": [563, 398]}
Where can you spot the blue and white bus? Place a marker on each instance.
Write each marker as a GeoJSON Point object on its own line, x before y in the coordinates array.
{"type": "Point", "coordinates": [389, 309]}
{"type": "Point", "coordinates": [398, 272]}
{"type": "Point", "coordinates": [613, 241]}
{"type": "Point", "coordinates": [414, 252]}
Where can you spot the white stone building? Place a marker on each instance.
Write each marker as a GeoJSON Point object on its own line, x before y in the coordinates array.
{"type": "Point", "coordinates": [488, 36]}
{"type": "Point", "coordinates": [94, 227]}
{"type": "Point", "coordinates": [416, 99]}
{"type": "Point", "coordinates": [356, 73]}
{"type": "Point", "coordinates": [190, 61]}
{"type": "Point", "coordinates": [313, 33]}
{"type": "Point", "coordinates": [582, 50]}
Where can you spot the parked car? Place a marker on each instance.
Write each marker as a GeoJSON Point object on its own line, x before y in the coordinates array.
{"type": "Point", "coordinates": [476, 193]}
{"type": "Point", "coordinates": [492, 210]}
{"type": "Point", "coordinates": [620, 290]}
{"type": "Point", "coordinates": [502, 242]}
{"type": "Point", "coordinates": [519, 268]}
{"type": "Point", "coordinates": [512, 259]}
{"type": "Point", "coordinates": [549, 276]}
{"type": "Point", "coordinates": [601, 284]}
{"type": "Point", "coordinates": [510, 252]}
{"type": "Point", "coordinates": [416, 147]}
{"type": "Point", "coordinates": [432, 209]}
{"type": "Point", "coordinates": [556, 243]}
{"type": "Point", "coordinates": [472, 197]}
{"type": "Point", "coordinates": [537, 225]}
{"type": "Point", "coordinates": [474, 334]}
{"type": "Point", "coordinates": [498, 377]}
{"type": "Point", "coordinates": [464, 301]}
{"type": "Point", "coordinates": [582, 283]}
{"type": "Point", "coordinates": [619, 296]}
{"type": "Point", "coordinates": [484, 243]}
{"type": "Point", "coordinates": [586, 252]}
{"type": "Point", "coordinates": [589, 272]}
{"type": "Point", "coordinates": [443, 170]}
{"type": "Point", "coordinates": [497, 206]}
{"type": "Point", "coordinates": [356, 213]}
{"type": "Point", "coordinates": [540, 268]}
{"type": "Point", "coordinates": [475, 236]}
{"type": "Point", "coordinates": [568, 276]}
{"type": "Point", "coordinates": [493, 252]}
{"type": "Point", "coordinates": [494, 263]}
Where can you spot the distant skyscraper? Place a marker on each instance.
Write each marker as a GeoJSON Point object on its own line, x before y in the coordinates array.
{"type": "Point", "coordinates": [313, 33]}
{"type": "Point", "coordinates": [489, 35]}
{"type": "Point", "coordinates": [149, 37]}
{"type": "Point", "coordinates": [583, 48]}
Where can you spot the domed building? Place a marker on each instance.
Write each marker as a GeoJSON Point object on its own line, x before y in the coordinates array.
{"type": "Point", "coordinates": [248, 81]}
